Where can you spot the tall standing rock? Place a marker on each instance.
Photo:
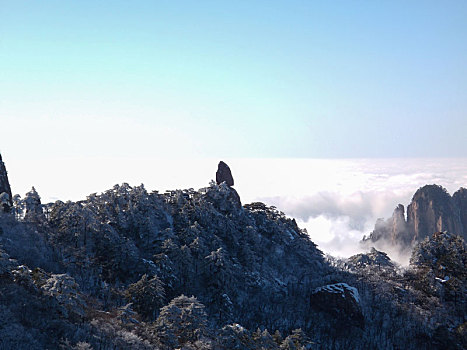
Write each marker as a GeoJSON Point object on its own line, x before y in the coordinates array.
{"type": "Point", "coordinates": [399, 230]}
{"type": "Point", "coordinates": [394, 229]}
{"type": "Point", "coordinates": [225, 180]}
{"type": "Point", "coordinates": [5, 190]}
{"type": "Point", "coordinates": [224, 174]}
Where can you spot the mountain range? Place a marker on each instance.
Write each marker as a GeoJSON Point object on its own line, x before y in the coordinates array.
{"type": "Point", "coordinates": [197, 269]}
{"type": "Point", "coordinates": [432, 209]}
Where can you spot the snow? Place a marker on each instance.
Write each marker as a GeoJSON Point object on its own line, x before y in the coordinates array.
{"type": "Point", "coordinates": [446, 278]}
{"type": "Point", "coordinates": [150, 263]}
{"type": "Point", "coordinates": [339, 288]}
{"type": "Point", "coordinates": [279, 282]}
{"type": "Point", "coordinates": [290, 235]}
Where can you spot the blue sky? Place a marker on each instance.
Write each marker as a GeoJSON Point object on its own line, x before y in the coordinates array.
{"type": "Point", "coordinates": [233, 79]}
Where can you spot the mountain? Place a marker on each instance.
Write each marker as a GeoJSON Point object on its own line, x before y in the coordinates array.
{"type": "Point", "coordinates": [186, 269]}
{"type": "Point", "coordinates": [432, 209]}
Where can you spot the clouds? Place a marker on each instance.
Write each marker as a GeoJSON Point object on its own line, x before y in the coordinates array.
{"type": "Point", "coordinates": [337, 222]}
{"type": "Point", "coordinates": [340, 204]}
{"type": "Point", "coordinates": [359, 205]}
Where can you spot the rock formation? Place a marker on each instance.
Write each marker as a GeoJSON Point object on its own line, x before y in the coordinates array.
{"type": "Point", "coordinates": [5, 190]}
{"type": "Point", "coordinates": [373, 258]}
{"type": "Point", "coordinates": [432, 209]}
{"type": "Point", "coordinates": [393, 229]}
{"type": "Point", "coordinates": [460, 202]}
{"type": "Point", "coordinates": [398, 225]}
{"type": "Point", "coordinates": [339, 300]}
{"type": "Point", "coordinates": [224, 174]}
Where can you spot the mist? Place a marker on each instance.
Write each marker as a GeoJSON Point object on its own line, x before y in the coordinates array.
{"type": "Point", "coordinates": [338, 215]}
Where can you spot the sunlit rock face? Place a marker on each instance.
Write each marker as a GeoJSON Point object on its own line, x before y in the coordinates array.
{"type": "Point", "coordinates": [431, 210]}
{"type": "Point", "coordinates": [460, 202]}
{"type": "Point", "coordinates": [224, 174]}
{"type": "Point", "coordinates": [5, 190]}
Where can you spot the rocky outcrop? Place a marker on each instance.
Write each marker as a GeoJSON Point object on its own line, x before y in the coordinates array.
{"type": "Point", "coordinates": [5, 190]}
{"type": "Point", "coordinates": [431, 210]}
{"type": "Point", "coordinates": [394, 229]}
{"type": "Point", "coordinates": [340, 301]}
{"type": "Point", "coordinates": [224, 174]}
{"type": "Point", "coordinates": [374, 258]}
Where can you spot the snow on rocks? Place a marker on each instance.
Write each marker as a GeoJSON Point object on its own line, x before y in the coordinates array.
{"type": "Point", "coordinates": [339, 300]}
{"type": "Point", "coordinates": [341, 289]}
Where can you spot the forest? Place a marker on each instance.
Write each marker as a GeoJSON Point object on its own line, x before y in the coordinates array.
{"type": "Point", "coordinates": [196, 269]}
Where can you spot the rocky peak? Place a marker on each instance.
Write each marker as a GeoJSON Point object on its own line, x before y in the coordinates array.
{"type": "Point", "coordinates": [431, 210]}
{"type": "Point", "coordinates": [224, 174]}
{"type": "Point", "coordinates": [5, 190]}
{"type": "Point", "coordinates": [393, 229]}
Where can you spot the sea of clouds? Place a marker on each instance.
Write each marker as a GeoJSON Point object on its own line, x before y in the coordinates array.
{"type": "Point", "coordinates": [337, 201]}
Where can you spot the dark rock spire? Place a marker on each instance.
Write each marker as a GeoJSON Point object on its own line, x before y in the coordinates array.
{"type": "Point", "coordinates": [224, 174]}
{"type": "Point", "coordinates": [5, 190]}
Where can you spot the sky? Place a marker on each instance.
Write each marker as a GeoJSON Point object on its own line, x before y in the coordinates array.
{"type": "Point", "coordinates": [256, 79]}
{"type": "Point", "coordinates": [334, 111]}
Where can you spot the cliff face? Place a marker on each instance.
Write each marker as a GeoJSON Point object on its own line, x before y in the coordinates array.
{"type": "Point", "coordinates": [4, 185]}
{"type": "Point", "coordinates": [460, 202]}
{"type": "Point", "coordinates": [431, 210]}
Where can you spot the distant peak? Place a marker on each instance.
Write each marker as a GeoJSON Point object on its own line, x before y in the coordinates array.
{"type": "Point", "coordinates": [431, 191]}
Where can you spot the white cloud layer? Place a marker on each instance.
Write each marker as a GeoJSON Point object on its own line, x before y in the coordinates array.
{"type": "Point", "coordinates": [341, 200]}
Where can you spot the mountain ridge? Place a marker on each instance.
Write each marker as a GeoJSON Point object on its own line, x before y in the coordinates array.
{"type": "Point", "coordinates": [128, 268]}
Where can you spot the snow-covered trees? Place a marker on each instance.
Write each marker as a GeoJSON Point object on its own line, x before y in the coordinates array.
{"type": "Point", "coordinates": [33, 206]}
{"type": "Point", "coordinates": [182, 320]}
{"type": "Point", "coordinates": [106, 265]}
{"type": "Point", "coordinates": [5, 201]}
{"type": "Point", "coordinates": [64, 288]}
{"type": "Point", "coordinates": [440, 266]}
{"type": "Point", "coordinates": [147, 296]}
